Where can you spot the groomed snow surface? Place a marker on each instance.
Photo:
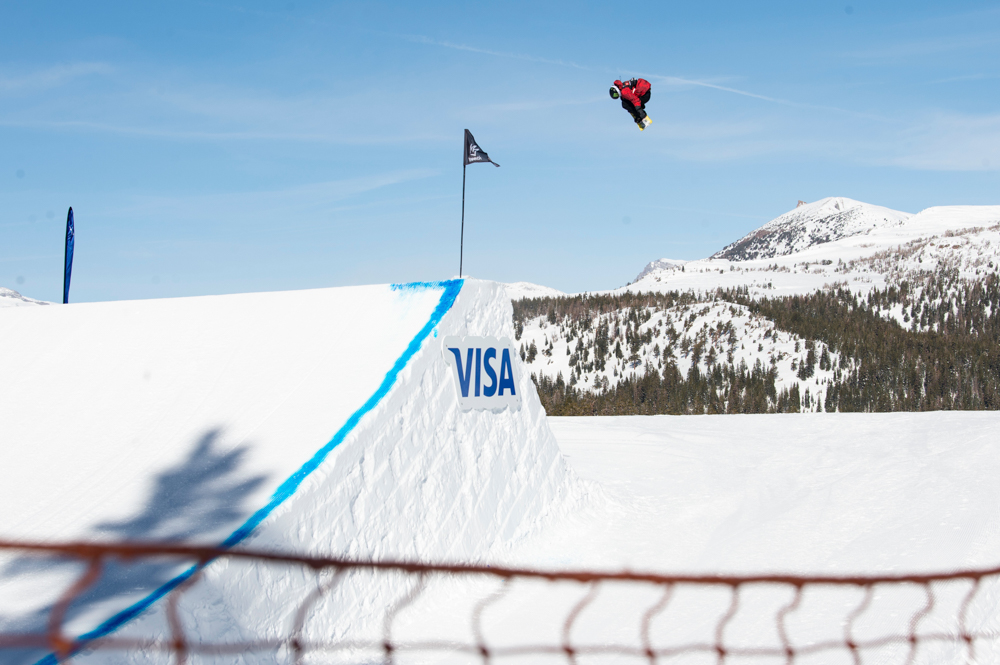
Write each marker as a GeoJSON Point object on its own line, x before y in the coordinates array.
{"type": "Point", "coordinates": [334, 412]}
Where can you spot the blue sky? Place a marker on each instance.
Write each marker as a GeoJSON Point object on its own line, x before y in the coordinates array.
{"type": "Point", "coordinates": [216, 147]}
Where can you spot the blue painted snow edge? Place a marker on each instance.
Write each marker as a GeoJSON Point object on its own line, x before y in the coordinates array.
{"type": "Point", "coordinates": [451, 288]}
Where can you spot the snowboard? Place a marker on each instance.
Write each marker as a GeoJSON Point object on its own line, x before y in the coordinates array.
{"type": "Point", "coordinates": [646, 122]}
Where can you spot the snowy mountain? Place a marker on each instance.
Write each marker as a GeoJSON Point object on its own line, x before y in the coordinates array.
{"type": "Point", "coordinates": [701, 321]}
{"type": "Point", "coordinates": [11, 298]}
{"type": "Point", "coordinates": [811, 224]}
{"type": "Point", "coordinates": [964, 238]}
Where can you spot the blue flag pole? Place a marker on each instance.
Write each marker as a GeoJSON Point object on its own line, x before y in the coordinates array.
{"type": "Point", "coordinates": [68, 257]}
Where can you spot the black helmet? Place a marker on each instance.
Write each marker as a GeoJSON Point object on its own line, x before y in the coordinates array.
{"type": "Point", "coordinates": [615, 93]}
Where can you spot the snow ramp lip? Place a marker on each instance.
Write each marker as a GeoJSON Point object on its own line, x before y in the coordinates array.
{"type": "Point", "coordinates": [450, 290]}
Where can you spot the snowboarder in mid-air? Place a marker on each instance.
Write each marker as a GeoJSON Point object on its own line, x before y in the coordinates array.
{"type": "Point", "coordinates": [634, 95]}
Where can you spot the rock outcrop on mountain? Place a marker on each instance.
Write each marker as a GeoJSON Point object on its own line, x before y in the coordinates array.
{"type": "Point", "coordinates": [811, 224]}
{"type": "Point", "coordinates": [659, 264]}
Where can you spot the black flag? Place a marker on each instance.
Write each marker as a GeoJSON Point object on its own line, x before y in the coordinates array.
{"type": "Point", "coordinates": [473, 153]}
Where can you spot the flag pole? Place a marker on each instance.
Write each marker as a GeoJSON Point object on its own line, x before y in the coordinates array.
{"type": "Point", "coordinates": [461, 245]}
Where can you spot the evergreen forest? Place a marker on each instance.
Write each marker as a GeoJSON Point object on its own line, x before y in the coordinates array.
{"type": "Point", "coordinates": [940, 350]}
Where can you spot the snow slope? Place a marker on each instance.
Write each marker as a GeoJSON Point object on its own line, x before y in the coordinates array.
{"type": "Point", "coordinates": [321, 421]}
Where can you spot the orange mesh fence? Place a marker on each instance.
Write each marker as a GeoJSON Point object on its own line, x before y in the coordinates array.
{"type": "Point", "coordinates": [912, 640]}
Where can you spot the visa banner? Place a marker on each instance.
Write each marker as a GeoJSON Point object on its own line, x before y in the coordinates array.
{"type": "Point", "coordinates": [485, 371]}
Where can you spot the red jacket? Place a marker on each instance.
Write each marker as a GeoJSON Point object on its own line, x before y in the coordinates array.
{"type": "Point", "coordinates": [633, 93]}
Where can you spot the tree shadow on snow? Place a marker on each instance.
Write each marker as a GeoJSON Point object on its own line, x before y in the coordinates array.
{"type": "Point", "coordinates": [200, 497]}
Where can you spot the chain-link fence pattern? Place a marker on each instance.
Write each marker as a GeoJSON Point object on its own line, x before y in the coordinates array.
{"type": "Point", "coordinates": [969, 587]}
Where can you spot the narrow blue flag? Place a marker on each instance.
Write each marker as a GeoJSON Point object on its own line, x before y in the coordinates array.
{"type": "Point", "coordinates": [68, 262]}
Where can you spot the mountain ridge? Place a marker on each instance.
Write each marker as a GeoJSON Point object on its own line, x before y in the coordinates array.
{"type": "Point", "coordinates": [811, 224]}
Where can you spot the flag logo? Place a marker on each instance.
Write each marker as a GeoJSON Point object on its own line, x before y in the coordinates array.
{"type": "Point", "coordinates": [473, 153]}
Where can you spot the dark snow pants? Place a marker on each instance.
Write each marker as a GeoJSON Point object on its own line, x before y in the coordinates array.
{"type": "Point", "coordinates": [637, 113]}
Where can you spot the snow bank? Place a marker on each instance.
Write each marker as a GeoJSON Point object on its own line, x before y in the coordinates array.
{"type": "Point", "coordinates": [211, 419]}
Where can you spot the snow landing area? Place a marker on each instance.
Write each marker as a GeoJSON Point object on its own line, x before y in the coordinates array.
{"type": "Point", "coordinates": [745, 494]}
{"type": "Point", "coordinates": [809, 493]}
